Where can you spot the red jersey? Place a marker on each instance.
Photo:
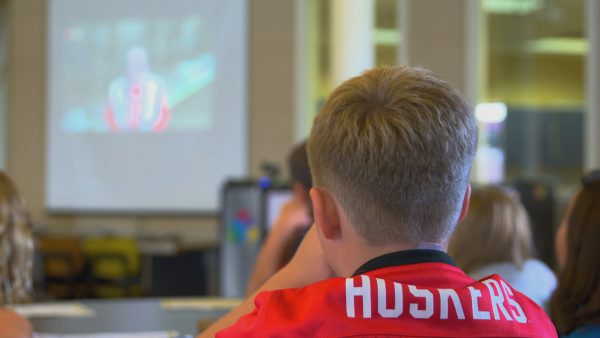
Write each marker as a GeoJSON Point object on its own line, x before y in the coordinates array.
{"type": "Point", "coordinates": [417, 293]}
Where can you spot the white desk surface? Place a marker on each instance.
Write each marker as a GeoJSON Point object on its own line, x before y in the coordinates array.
{"type": "Point", "coordinates": [127, 315]}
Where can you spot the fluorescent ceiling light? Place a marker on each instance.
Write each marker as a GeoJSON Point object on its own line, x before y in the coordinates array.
{"type": "Point", "coordinates": [491, 112]}
{"type": "Point", "coordinates": [558, 45]}
{"type": "Point", "coordinates": [521, 7]}
{"type": "Point", "coordinates": [387, 37]}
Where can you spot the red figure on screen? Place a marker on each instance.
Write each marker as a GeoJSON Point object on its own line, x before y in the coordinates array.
{"type": "Point", "coordinates": [138, 101]}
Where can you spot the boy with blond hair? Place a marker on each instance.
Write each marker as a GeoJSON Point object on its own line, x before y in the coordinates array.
{"type": "Point", "coordinates": [390, 154]}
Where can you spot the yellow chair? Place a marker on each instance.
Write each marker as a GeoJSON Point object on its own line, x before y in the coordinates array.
{"type": "Point", "coordinates": [114, 266]}
{"type": "Point", "coordinates": [64, 265]}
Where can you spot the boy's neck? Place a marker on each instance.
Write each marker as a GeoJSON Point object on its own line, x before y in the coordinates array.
{"type": "Point", "coordinates": [358, 251]}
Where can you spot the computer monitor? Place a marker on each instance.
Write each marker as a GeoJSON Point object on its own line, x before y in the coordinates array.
{"type": "Point", "coordinates": [248, 212]}
{"type": "Point", "coordinates": [241, 235]}
{"type": "Point", "coordinates": [273, 201]}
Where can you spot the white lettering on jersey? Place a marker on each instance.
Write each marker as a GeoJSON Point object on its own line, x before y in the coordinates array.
{"type": "Point", "coordinates": [497, 299]}
{"type": "Point", "coordinates": [414, 308]}
{"type": "Point", "coordinates": [475, 294]}
{"type": "Point", "coordinates": [502, 302]}
{"type": "Point", "coordinates": [445, 295]}
{"type": "Point", "coordinates": [363, 291]}
{"type": "Point", "coordinates": [394, 312]}
{"type": "Point", "coordinates": [520, 315]}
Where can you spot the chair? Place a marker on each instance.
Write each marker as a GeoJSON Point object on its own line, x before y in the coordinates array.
{"type": "Point", "coordinates": [64, 266]}
{"type": "Point", "coordinates": [114, 266]}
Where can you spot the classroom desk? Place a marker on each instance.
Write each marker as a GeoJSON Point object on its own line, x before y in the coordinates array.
{"type": "Point", "coordinates": [131, 315]}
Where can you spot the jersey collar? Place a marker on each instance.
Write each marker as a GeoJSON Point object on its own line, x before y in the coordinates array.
{"type": "Point", "coordinates": [404, 258]}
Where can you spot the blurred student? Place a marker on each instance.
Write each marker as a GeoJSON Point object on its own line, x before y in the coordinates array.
{"type": "Point", "coordinates": [16, 258]}
{"type": "Point", "coordinates": [290, 225]}
{"type": "Point", "coordinates": [575, 305]}
{"type": "Point", "coordinates": [495, 238]}
{"type": "Point", "coordinates": [390, 154]}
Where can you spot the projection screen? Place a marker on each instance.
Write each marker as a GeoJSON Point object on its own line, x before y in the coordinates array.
{"type": "Point", "coordinates": [146, 106]}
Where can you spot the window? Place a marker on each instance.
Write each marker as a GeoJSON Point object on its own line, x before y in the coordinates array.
{"type": "Point", "coordinates": [532, 93]}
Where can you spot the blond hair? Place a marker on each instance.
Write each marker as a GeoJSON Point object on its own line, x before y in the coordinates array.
{"type": "Point", "coordinates": [395, 147]}
{"type": "Point", "coordinates": [16, 245]}
{"type": "Point", "coordinates": [495, 230]}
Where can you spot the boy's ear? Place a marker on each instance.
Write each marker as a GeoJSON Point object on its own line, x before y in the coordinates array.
{"type": "Point", "coordinates": [325, 212]}
{"type": "Point", "coordinates": [465, 204]}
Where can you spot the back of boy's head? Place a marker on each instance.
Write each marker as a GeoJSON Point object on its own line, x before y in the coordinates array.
{"type": "Point", "coordinates": [298, 164]}
{"type": "Point", "coordinates": [394, 146]}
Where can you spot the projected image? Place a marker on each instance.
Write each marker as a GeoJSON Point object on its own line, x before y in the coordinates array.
{"type": "Point", "coordinates": [139, 100]}
{"type": "Point", "coordinates": [146, 106]}
{"type": "Point", "coordinates": [157, 75]}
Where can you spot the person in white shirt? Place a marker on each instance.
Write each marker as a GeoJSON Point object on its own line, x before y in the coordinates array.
{"type": "Point", "coordinates": [495, 238]}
